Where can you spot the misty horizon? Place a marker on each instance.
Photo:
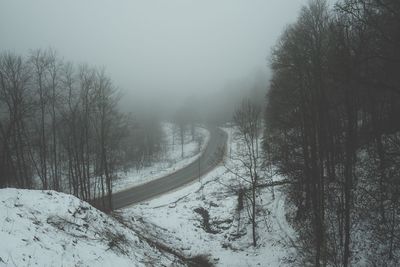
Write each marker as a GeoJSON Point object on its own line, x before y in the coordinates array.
{"type": "Point", "coordinates": [154, 50]}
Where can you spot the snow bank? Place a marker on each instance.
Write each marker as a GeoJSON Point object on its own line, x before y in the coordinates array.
{"type": "Point", "coordinates": [46, 228]}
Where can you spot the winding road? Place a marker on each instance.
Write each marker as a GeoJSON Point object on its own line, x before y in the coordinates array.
{"type": "Point", "coordinates": [210, 158]}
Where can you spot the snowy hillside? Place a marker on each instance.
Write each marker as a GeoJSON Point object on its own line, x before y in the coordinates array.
{"type": "Point", "coordinates": [203, 219]}
{"type": "Point", "coordinates": [46, 228]}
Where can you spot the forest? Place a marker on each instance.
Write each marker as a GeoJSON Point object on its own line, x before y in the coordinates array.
{"type": "Point", "coordinates": [332, 128]}
{"type": "Point", "coordinates": [61, 127]}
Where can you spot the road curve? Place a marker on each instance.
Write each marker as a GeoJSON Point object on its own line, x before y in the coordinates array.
{"type": "Point", "coordinates": [210, 158]}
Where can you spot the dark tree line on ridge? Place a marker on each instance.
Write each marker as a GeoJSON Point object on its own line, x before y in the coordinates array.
{"type": "Point", "coordinates": [332, 127]}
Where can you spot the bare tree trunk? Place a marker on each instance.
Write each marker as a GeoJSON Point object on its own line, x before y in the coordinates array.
{"type": "Point", "coordinates": [247, 121]}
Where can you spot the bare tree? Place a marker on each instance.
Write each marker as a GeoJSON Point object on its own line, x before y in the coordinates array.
{"type": "Point", "coordinates": [247, 120]}
{"type": "Point", "coordinates": [15, 103]}
{"type": "Point", "coordinates": [181, 123]}
{"type": "Point", "coordinates": [103, 118]}
{"type": "Point", "coordinates": [54, 85]}
{"type": "Point", "coordinates": [39, 64]}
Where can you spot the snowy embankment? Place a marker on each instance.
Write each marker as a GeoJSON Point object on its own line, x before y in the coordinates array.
{"type": "Point", "coordinates": [203, 218]}
{"type": "Point", "coordinates": [171, 160]}
{"type": "Point", "coordinates": [46, 228]}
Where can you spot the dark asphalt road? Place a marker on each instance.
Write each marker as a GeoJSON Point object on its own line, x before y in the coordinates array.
{"type": "Point", "coordinates": [210, 158]}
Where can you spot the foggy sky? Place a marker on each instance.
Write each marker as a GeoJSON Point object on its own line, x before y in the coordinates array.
{"type": "Point", "coordinates": [153, 48]}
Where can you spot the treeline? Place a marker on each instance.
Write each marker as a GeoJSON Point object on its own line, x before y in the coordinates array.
{"type": "Point", "coordinates": [61, 129]}
{"type": "Point", "coordinates": [333, 128]}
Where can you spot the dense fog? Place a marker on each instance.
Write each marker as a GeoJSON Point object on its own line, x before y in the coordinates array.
{"type": "Point", "coordinates": [158, 53]}
{"type": "Point", "coordinates": [212, 133]}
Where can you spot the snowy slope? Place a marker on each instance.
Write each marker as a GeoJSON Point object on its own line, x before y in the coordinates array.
{"type": "Point", "coordinates": [177, 219]}
{"type": "Point", "coordinates": [46, 228]}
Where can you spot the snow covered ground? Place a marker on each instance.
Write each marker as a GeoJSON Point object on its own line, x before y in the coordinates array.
{"type": "Point", "coordinates": [202, 218]}
{"type": "Point", "coordinates": [46, 228]}
{"type": "Point", "coordinates": [170, 162]}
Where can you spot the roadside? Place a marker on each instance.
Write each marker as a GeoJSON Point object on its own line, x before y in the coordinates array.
{"type": "Point", "coordinates": [203, 219]}
{"type": "Point", "coordinates": [170, 161]}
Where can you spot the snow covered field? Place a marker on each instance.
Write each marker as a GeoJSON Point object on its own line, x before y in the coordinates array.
{"type": "Point", "coordinates": [170, 162]}
{"type": "Point", "coordinates": [203, 219]}
{"type": "Point", "coordinates": [46, 228]}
